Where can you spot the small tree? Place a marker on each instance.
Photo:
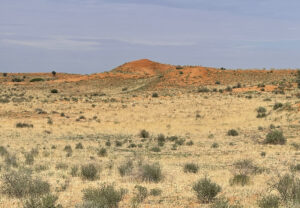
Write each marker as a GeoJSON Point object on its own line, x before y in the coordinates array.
{"type": "Point", "coordinates": [54, 73]}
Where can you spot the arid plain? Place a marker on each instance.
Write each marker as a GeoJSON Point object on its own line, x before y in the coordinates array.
{"type": "Point", "coordinates": [150, 132]}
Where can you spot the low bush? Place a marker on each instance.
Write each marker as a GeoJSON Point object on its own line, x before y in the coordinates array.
{"type": "Point", "coordinates": [20, 184]}
{"type": "Point", "coordinates": [126, 168]}
{"type": "Point", "coordinates": [269, 201]}
{"type": "Point", "coordinates": [155, 192]}
{"type": "Point", "coordinates": [89, 172]}
{"type": "Point", "coordinates": [191, 168]}
{"type": "Point", "coordinates": [232, 132]}
{"type": "Point", "coordinates": [206, 190]}
{"type": "Point", "coordinates": [144, 134]}
{"type": "Point", "coordinates": [288, 187]}
{"type": "Point", "coordinates": [102, 152]}
{"type": "Point", "coordinates": [48, 201]}
{"type": "Point", "coordinates": [104, 197]}
{"type": "Point", "coordinates": [275, 137]}
{"type": "Point", "coordinates": [240, 179]}
{"type": "Point", "coordinates": [277, 106]}
{"type": "Point", "coordinates": [37, 80]}
{"type": "Point", "coordinates": [24, 125]}
{"type": "Point", "coordinates": [151, 173]}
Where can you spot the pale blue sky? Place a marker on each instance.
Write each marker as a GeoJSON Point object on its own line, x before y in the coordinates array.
{"type": "Point", "coordinates": [88, 36]}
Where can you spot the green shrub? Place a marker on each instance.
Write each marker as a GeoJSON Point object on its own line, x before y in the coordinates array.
{"type": "Point", "coordinates": [48, 201]}
{"type": "Point", "coordinates": [191, 168]}
{"type": "Point", "coordinates": [232, 132]}
{"type": "Point", "coordinates": [104, 197]}
{"type": "Point", "coordinates": [3, 151]}
{"type": "Point", "coordinates": [240, 179]}
{"type": "Point", "coordinates": [126, 168]}
{"type": "Point", "coordinates": [206, 190]}
{"type": "Point", "coordinates": [144, 134]}
{"type": "Point", "coordinates": [288, 187]}
{"type": "Point", "coordinates": [89, 172]}
{"type": "Point", "coordinates": [16, 79]}
{"type": "Point", "coordinates": [79, 146]}
{"type": "Point", "coordinates": [295, 167]}
{"type": "Point", "coordinates": [155, 192]}
{"type": "Point", "coordinates": [155, 149]}
{"type": "Point", "coordinates": [203, 89]}
{"type": "Point", "coordinates": [20, 184]}
{"type": "Point", "coordinates": [155, 95]}
{"type": "Point", "coordinates": [74, 171]}
{"type": "Point", "coordinates": [275, 137]}
{"type": "Point", "coordinates": [139, 196]}
{"type": "Point", "coordinates": [277, 106]}
{"type": "Point", "coordinates": [246, 167]}
{"type": "Point", "coordinates": [54, 91]}
{"type": "Point", "coordinates": [29, 159]}
{"type": "Point", "coordinates": [24, 125]}
{"type": "Point", "coordinates": [11, 160]}
{"type": "Point", "coordinates": [37, 80]}
{"type": "Point", "coordinates": [102, 152]}
{"type": "Point", "coordinates": [261, 112]}
{"type": "Point", "coordinates": [189, 143]}
{"type": "Point", "coordinates": [215, 145]}
{"type": "Point", "coordinates": [223, 203]}
{"type": "Point", "coordinates": [269, 201]}
{"type": "Point", "coordinates": [161, 139]}
{"type": "Point", "coordinates": [61, 166]}
{"type": "Point", "coordinates": [151, 173]}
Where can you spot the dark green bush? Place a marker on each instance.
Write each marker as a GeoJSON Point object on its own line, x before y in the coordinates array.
{"type": "Point", "coordinates": [24, 125]}
{"type": "Point", "coordinates": [48, 201]}
{"type": "Point", "coordinates": [206, 190]}
{"type": "Point", "coordinates": [79, 146]}
{"type": "Point", "coordinates": [203, 89]}
{"type": "Point", "coordinates": [126, 168]}
{"type": "Point", "coordinates": [54, 91]}
{"type": "Point", "coordinates": [3, 151]}
{"type": "Point", "coordinates": [151, 173]}
{"type": "Point", "coordinates": [89, 172]}
{"type": "Point", "coordinates": [29, 158]}
{"type": "Point", "coordinates": [223, 203]}
{"type": "Point", "coordinates": [277, 106]}
{"type": "Point", "coordinates": [240, 179]}
{"type": "Point", "coordinates": [144, 134]}
{"type": "Point", "coordinates": [102, 152]}
{"type": "Point", "coordinates": [140, 195]}
{"type": "Point", "coordinates": [288, 187]}
{"type": "Point", "coordinates": [215, 145]}
{"type": "Point", "coordinates": [232, 132]}
{"type": "Point", "coordinates": [155, 192]}
{"type": "Point", "coordinates": [275, 137]}
{"type": "Point", "coordinates": [161, 139]}
{"type": "Point", "coordinates": [37, 80]}
{"type": "Point", "coordinates": [11, 160]}
{"type": "Point", "coordinates": [74, 171]}
{"type": "Point", "coordinates": [269, 201]}
{"type": "Point", "coordinates": [155, 95]}
{"type": "Point", "coordinates": [20, 184]}
{"type": "Point", "coordinates": [104, 197]}
{"type": "Point", "coordinates": [155, 149]}
{"type": "Point", "coordinates": [191, 168]}
{"type": "Point", "coordinates": [261, 112]}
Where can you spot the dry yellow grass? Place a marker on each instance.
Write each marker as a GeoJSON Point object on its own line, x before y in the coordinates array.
{"type": "Point", "coordinates": [174, 112]}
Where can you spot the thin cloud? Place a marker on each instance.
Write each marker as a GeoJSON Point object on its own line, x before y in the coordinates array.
{"type": "Point", "coordinates": [55, 44]}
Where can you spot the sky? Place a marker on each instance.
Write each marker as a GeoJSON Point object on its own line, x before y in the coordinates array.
{"type": "Point", "coordinates": [91, 36]}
